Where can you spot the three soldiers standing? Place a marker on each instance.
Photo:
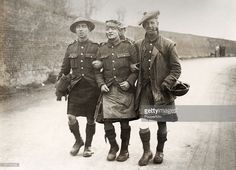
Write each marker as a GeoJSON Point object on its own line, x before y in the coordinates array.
{"type": "Point", "coordinates": [157, 70]}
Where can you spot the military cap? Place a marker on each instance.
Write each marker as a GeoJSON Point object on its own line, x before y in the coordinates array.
{"type": "Point", "coordinates": [149, 15]}
{"type": "Point", "coordinates": [113, 23]}
{"type": "Point", "coordinates": [78, 20]}
{"type": "Point", "coordinates": [123, 25]}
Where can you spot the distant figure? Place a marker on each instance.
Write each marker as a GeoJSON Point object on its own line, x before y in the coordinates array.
{"type": "Point", "coordinates": [217, 51]}
{"type": "Point", "coordinates": [122, 33]}
{"type": "Point", "coordinates": [83, 93]}
{"type": "Point", "coordinates": [159, 68]}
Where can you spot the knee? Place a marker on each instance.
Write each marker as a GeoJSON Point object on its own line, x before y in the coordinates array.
{"type": "Point", "coordinates": [90, 121]}
{"type": "Point", "coordinates": [124, 125]}
{"type": "Point", "coordinates": [144, 125]}
{"type": "Point", "coordinates": [108, 126]}
{"type": "Point", "coordinates": [71, 119]}
{"type": "Point", "coordinates": [162, 128]}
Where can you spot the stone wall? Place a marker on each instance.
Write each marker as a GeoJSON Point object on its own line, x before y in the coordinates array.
{"type": "Point", "coordinates": [34, 39]}
{"type": "Point", "coordinates": [34, 35]}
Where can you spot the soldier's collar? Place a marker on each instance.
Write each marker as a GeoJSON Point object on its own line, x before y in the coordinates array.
{"type": "Point", "coordinates": [122, 37]}
{"type": "Point", "coordinates": [83, 42]}
{"type": "Point", "coordinates": [152, 38]}
{"type": "Point", "coordinates": [113, 42]}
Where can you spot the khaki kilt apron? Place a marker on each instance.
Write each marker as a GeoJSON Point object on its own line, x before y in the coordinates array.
{"type": "Point", "coordinates": [117, 105]}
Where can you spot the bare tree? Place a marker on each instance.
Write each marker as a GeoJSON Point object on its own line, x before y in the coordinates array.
{"type": "Point", "coordinates": [57, 6]}
{"type": "Point", "coordinates": [86, 8]}
{"type": "Point", "coordinates": [89, 7]}
{"type": "Point", "coordinates": [121, 12]}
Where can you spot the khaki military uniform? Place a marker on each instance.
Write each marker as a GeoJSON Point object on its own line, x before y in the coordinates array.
{"type": "Point", "coordinates": [84, 92]}
{"type": "Point", "coordinates": [116, 58]}
{"type": "Point", "coordinates": [159, 64]}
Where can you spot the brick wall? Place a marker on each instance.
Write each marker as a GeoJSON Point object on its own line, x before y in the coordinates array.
{"type": "Point", "coordinates": [34, 35]}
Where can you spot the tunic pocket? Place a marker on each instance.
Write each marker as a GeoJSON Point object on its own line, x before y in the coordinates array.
{"type": "Point", "coordinates": [105, 61]}
{"type": "Point", "coordinates": [89, 58]}
{"type": "Point", "coordinates": [123, 59]}
{"type": "Point", "coordinates": [73, 60]}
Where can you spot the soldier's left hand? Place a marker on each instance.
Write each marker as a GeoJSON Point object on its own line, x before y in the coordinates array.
{"type": "Point", "coordinates": [164, 87]}
{"type": "Point", "coordinates": [97, 64]}
{"type": "Point", "coordinates": [66, 97]}
{"type": "Point", "coordinates": [134, 67]}
{"type": "Point", "coordinates": [124, 85]}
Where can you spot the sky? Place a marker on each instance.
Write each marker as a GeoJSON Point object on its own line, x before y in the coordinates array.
{"type": "Point", "coordinates": [212, 18]}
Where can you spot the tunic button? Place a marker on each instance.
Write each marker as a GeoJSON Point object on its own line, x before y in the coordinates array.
{"type": "Point", "coordinates": [91, 56]}
{"type": "Point", "coordinates": [150, 51]}
{"type": "Point", "coordinates": [112, 46]}
{"type": "Point", "coordinates": [82, 53]}
{"type": "Point", "coordinates": [112, 53]}
{"type": "Point", "coordinates": [82, 47]}
{"type": "Point", "coordinates": [151, 44]}
{"type": "Point", "coordinates": [82, 74]}
{"type": "Point", "coordinates": [149, 68]}
{"type": "Point", "coordinates": [114, 68]}
{"type": "Point", "coordinates": [149, 60]}
{"type": "Point", "coordinates": [114, 76]}
{"type": "Point", "coordinates": [81, 61]}
{"type": "Point", "coordinates": [82, 68]}
{"type": "Point", "coordinates": [113, 61]}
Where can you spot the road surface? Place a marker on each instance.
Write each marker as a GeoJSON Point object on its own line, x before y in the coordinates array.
{"type": "Point", "coordinates": [35, 136]}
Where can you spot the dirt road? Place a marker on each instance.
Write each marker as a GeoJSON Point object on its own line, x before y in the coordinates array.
{"type": "Point", "coordinates": [34, 131]}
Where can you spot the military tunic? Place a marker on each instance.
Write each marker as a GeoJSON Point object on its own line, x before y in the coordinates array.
{"type": "Point", "coordinates": [84, 92]}
{"type": "Point", "coordinates": [117, 57]}
{"type": "Point", "coordinates": [157, 67]}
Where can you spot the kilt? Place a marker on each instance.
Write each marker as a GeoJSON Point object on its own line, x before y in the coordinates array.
{"type": "Point", "coordinates": [117, 105]}
{"type": "Point", "coordinates": [82, 99]}
{"type": "Point", "coordinates": [163, 113]}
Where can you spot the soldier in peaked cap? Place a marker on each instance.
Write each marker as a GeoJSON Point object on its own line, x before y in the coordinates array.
{"type": "Point", "coordinates": [117, 86]}
{"type": "Point", "coordinates": [83, 93]}
{"type": "Point", "coordinates": [159, 68]}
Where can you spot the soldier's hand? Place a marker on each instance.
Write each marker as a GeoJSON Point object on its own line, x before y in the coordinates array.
{"type": "Point", "coordinates": [124, 85]}
{"type": "Point", "coordinates": [58, 98]}
{"type": "Point", "coordinates": [164, 87]}
{"type": "Point", "coordinates": [66, 97]}
{"type": "Point", "coordinates": [134, 67]}
{"type": "Point", "coordinates": [104, 88]}
{"type": "Point", "coordinates": [97, 64]}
